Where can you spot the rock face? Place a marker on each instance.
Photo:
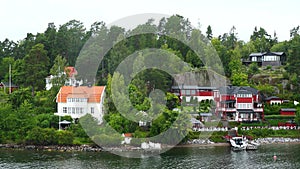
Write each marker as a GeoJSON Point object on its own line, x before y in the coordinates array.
{"type": "Point", "coordinates": [201, 78]}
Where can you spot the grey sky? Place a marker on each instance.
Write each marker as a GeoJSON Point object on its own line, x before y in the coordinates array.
{"type": "Point", "coordinates": [20, 17]}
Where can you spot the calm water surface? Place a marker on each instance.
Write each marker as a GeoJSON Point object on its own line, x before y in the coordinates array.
{"type": "Point", "coordinates": [288, 156]}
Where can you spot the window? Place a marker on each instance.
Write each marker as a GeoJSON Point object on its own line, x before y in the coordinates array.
{"type": "Point", "coordinates": [188, 92]}
{"type": "Point", "coordinates": [73, 110]}
{"type": "Point", "coordinates": [64, 109]}
{"type": "Point", "coordinates": [69, 110]}
{"type": "Point", "coordinates": [92, 110]}
{"type": "Point", "coordinates": [193, 92]}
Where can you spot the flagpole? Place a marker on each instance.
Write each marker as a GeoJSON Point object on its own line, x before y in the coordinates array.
{"type": "Point", "coordinates": [9, 78]}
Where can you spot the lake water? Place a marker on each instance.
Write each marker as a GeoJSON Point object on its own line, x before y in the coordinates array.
{"type": "Point", "coordinates": [288, 156]}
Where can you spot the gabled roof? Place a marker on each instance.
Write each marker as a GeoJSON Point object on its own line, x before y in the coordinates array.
{"type": "Point", "coordinates": [6, 84]}
{"type": "Point", "coordinates": [272, 98]}
{"type": "Point", "coordinates": [266, 53]}
{"type": "Point", "coordinates": [230, 90]}
{"type": "Point", "coordinates": [256, 54]}
{"type": "Point", "coordinates": [287, 109]}
{"type": "Point", "coordinates": [92, 93]}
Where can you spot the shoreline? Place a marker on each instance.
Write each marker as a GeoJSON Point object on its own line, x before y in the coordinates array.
{"type": "Point", "coordinates": [94, 148]}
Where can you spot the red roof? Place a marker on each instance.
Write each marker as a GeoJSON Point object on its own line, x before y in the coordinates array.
{"type": "Point", "coordinates": [127, 135]}
{"type": "Point", "coordinates": [70, 71]}
{"type": "Point", "coordinates": [93, 93]}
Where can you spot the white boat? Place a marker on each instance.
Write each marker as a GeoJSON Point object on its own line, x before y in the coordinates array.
{"type": "Point", "coordinates": [238, 143]}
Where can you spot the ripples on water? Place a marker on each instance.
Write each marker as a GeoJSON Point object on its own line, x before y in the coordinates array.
{"type": "Point", "coordinates": [288, 156]}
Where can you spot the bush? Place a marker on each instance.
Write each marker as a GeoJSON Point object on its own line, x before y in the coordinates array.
{"type": "Point", "coordinates": [261, 124]}
{"type": "Point", "coordinates": [233, 124]}
{"type": "Point", "coordinates": [141, 134]}
{"type": "Point", "coordinates": [40, 136]}
{"type": "Point", "coordinates": [280, 117]}
{"type": "Point", "coordinates": [65, 137]}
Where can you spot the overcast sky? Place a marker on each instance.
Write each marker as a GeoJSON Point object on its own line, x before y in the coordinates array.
{"type": "Point", "coordinates": [19, 17]}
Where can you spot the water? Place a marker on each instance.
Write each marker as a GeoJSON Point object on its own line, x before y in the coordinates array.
{"type": "Point", "coordinates": [288, 156]}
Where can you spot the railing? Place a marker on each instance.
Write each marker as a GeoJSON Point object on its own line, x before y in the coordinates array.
{"type": "Point", "coordinates": [210, 129]}
{"type": "Point", "coordinates": [272, 127]}
{"type": "Point", "coordinates": [226, 109]}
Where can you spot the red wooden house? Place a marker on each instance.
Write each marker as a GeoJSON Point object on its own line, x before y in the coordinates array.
{"type": "Point", "coordinates": [195, 92]}
{"type": "Point", "coordinates": [235, 103]}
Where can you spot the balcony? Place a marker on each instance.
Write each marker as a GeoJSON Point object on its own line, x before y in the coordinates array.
{"type": "Point", "coordinates": [258, 109]}
{"type": "Point", "coordinates": [228, 109]}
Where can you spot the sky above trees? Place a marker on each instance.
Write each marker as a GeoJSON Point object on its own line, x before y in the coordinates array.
{"type": "Point", "coordinates": [21, 17]}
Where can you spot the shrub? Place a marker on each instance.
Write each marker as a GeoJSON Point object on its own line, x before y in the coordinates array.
{"type": "Point", "coordinates": [40, 136]}
{"type": "Point", "coordinates": [65, 137]}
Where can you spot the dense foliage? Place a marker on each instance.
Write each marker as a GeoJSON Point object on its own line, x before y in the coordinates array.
{"type": "Point", "coordinates": [26, 115]}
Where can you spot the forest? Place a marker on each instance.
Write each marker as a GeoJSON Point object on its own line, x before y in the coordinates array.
{"type": "Point", "coordinates": [26, 115]}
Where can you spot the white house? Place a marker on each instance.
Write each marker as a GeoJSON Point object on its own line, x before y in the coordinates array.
{"type": "Point", "coordinates": [71, 72]}
{"type": "Point", "coordinates": [78, 101]}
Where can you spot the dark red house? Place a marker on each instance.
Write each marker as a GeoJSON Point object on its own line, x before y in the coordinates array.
{"type": "Point", "coordinates": [8, 87]}
{"type": "Point", "coordinates": [236, 103]}
{"type": "Point", "coordinates": [288, 112]}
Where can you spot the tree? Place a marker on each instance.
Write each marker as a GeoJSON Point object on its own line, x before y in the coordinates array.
{"type": "Point", "coordinates": [70, 39]}
{"type": "Point", "coordinates": [262, 40]}
{"type": "Point", "coordinates": [209, 33]}
{"type": "Point", "coordinates": [57, 71]}
{"type": "Point", "coordinates": [36, 67]}
{"type": "Point", "coordinates": [239, 79]}
{"type": "Point", "coordinates": [253, 69]}
{"type": "Point", "coordinates": [4, 67]}
{"type": "Point", "coordinates": [294, 61]}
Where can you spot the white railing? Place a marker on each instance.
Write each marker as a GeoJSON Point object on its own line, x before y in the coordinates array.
{"type": "Point", "coordinates": [210, 129]}
{"type": "Point", "coordinates": [226, 109]}
{"type": "Point", "coordinates": [272, 127]}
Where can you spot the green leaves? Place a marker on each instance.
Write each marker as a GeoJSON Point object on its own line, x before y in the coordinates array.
{"type": "Point", "coordinates": [36, 67]}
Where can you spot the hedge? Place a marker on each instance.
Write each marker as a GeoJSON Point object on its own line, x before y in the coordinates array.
{"type": "Point", "coordinates": [279, 117]}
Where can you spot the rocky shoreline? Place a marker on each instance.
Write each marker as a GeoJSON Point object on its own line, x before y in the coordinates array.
{"type": "Point", "coordinates": [276, 140]}
{"type": "Point", "coordinates": [190, 143]}
{"type": "Point", "coordinates": [82, 148]}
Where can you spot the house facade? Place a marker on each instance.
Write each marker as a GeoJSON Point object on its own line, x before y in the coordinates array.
{"type": "Point", "coordinates": [194, 92]}
{"type": "Point", "coordinates": [81, 100]}
{"type": "Point", "coordinates": [266, 58]}
{"type": "Point", "coordinates": [273, 100]}
{"type": "Point", "coordinates": [234, 103]}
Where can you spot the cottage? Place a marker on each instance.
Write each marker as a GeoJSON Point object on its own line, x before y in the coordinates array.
{"type": "Point", "coordinates": [273, 100]}
{"type": "Point", "coordinates": [78, 101]}
{"type": "Point", "coordinates": [266, 58]}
